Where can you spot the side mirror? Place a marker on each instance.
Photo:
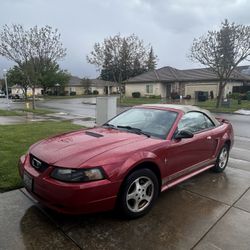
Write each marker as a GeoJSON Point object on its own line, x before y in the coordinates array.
{"type": "Point", "coordinates": [183, 134]}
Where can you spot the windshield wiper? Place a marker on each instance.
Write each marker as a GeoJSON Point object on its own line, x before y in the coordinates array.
{"type": "Point", "coordinates": [134, 130]}
{"type": "Point", "coordinates": [109, 125]}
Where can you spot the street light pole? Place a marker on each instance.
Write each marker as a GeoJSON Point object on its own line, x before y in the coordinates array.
{"type": "Point", "coordinates": [6, 86]}
{"type": "Point", "coordinates": [57, 88]}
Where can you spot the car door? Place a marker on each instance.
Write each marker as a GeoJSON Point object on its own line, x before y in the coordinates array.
{"type": "Point", "coordinates": [185, 155]}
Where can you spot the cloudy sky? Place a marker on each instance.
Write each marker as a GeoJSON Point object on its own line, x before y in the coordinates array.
{"type": "Point", "coordinates": [168, 25]}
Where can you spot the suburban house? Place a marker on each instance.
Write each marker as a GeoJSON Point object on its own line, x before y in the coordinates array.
{"type": "Point", "coordinates": [76, 85]}
{"type": "Point", "coordinates": [17, 90]}
{"type": "Point", "coordinates": [164, 81]}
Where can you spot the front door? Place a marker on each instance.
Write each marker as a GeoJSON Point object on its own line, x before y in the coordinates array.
{"type": "Point", "coordinates": [189, 154]}
{"type": "Point", "coordinates": [168, 90]}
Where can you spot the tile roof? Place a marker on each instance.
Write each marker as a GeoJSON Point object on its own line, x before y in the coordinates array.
{"type": "Point", "coordinates": [77, 81]}
{"type": "Point", "coordinates": [169, 74]}
{"type": "Point", "coordinates": [244, 69]}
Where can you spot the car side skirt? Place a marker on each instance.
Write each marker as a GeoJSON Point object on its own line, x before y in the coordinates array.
{"type": "Point", "coordinates": [186, 174]}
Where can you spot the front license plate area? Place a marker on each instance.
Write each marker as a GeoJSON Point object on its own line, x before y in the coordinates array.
{"type": "Point", "coordinates": [28, 181]}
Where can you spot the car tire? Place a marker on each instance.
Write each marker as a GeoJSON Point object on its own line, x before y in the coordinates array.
{"type": "Point", "coordinates": [138, 194]}
{"type": "Point", "coordinates": [222, 160]}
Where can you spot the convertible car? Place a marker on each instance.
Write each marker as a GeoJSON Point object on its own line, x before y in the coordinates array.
{"type": "Point", "coordinates": [126, 162]}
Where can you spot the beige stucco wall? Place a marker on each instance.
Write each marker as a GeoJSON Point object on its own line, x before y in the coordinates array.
{"type": "Point", "coordinates": [18, 90]}
{"type": "Point", "coordinates": [158, 89]}
{"type": "Point", "coordinates": [80, 89]}
{"type": "Point", "coordinates": [190, 88]}
{"type": "Point", "coordinates": [229, 87]}
{"type": "Point", "coordinates": [182, 88]}
{"type": "Point", "coordinates": [100, 90]}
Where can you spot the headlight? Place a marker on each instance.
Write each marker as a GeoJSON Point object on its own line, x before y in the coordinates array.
{"type": "Point", "coordinates": [77, 175]}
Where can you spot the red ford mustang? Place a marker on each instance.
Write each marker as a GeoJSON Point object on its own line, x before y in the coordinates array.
{"type": "Point", "coordinates": [126, 162]}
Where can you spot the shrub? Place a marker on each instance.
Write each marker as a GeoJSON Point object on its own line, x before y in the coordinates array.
{"type": "Point", "coordinates": [175, 95]}
{"type": "Point", "coordinates": [136, 94]}
{"type": "Point", "coordinates": [187, 97]}
{"type": "Point", "coordinates": [87, 92]}
{"type": "Point", "coordinates": [237, 96]}
{"type": "Point", "coordinates": [95, 92]}
{"type": "Point", "coordinates": [234, 96]}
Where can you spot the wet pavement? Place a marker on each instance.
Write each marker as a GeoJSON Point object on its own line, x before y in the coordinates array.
{"type": "Point", "coordinates": [76, 106]}
{"type": "Point", "coordinates": [88, 122]}
{"type": "Point", "coordinates": [209, 211]}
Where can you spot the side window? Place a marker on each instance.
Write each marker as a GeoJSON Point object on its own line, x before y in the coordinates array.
{"type": "Point", "coordinates": [149, 89]}
{"type": "Point", "coordinates": [210, 124]}
{"type": "Point", "coordinates": [195, 122]}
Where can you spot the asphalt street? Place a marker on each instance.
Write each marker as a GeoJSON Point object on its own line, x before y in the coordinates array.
{"type": "Point", "coordinates": [74, 106]}
{"type": "Point", "coordinates": [78, 107]}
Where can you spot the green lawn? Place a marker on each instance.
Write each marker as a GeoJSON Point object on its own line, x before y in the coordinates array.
{"type": "Point", "coordinates": [210, 105]}
{"type": "Point", "coordinates": [16, 139]}
{"type": "Point", "coordinates": [10, 112]}
{"type": "Point", "coordinates": [37, 111]}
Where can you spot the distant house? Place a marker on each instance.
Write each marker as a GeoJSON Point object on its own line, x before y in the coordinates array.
{"type": "Point", "coordinates": [164, 81]}
{"type": "Point", "coordinates": [76, 85]}
{"type": "Point", "coordinates": [17, 90]}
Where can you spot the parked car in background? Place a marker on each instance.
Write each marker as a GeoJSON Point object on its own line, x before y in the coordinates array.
{"type": "Point", "coordinates": [16, 96]}
{"type": "Point", "coordinates": [2, 94]}
{"type": "Point", "coordinates": [128, 161]}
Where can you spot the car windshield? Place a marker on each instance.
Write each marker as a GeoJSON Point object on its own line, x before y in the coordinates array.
{"type": "Point", "coordinates": [150, 122]}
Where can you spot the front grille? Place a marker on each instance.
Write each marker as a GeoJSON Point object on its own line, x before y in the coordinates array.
{"type": "Point", "coordinates": [38, 164]}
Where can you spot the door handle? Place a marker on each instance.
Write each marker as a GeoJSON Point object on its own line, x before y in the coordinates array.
{"type": "Point", "coordinates": [209, 138]}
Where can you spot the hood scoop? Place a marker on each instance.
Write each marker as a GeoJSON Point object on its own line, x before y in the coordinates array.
{"type": "Point", "coordinates": [93, 134]}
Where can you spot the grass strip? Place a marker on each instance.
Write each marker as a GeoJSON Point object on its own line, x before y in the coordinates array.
{"type": "Point", "coordinates": [15, 141]}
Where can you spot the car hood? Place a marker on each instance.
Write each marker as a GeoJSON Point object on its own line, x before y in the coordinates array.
{"type": "Point", "coordinates": [75, 148]}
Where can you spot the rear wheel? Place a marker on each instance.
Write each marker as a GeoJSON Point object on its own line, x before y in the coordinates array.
{"type": "Point", "coordinates": [222, 160]}
{"type": "Point", "coordinates": [139, 193]}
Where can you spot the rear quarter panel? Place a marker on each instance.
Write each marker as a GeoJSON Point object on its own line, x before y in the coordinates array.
{"type": "Point", "coordinates": [223, 133]}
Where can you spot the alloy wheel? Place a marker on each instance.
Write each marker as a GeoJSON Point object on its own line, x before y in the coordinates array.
{"type": "Point", "coordinates": [223, 158]}
{"type": "Point", "coordinates": [140, 194]}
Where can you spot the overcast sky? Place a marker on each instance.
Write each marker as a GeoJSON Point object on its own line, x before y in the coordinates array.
{"type": "Point", "coordinates": [168, 25]}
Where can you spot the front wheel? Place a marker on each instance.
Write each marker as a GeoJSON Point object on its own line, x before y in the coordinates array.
{"type": "Point", "coordinates": [139, 193]}
{"type": "Point", "coordinates": [222, 160]}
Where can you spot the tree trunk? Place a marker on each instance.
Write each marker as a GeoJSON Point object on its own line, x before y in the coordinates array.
{"type": "Point", "coordinates": [25, 94]}
{"type": "Point", "coordinates": [220, 94]}
{"type": "Point", "coordinates": [33, 98]}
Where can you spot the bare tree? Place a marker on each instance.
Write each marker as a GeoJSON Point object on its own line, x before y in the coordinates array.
{"type": "Point", "coordinates": [222, 51]}
{"type": "Point", "coordinates": [31, 49]}
{"type": "Point", "coordinates": [118, 58]}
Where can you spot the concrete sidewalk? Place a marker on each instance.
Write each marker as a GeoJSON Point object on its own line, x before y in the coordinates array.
{"type": "Point", "coordinates": [209, 211]}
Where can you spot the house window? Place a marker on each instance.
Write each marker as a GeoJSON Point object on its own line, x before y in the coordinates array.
{"type": "Point", "coordinates": [149, 89]}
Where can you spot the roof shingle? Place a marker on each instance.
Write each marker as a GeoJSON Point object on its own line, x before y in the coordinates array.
{"type": "Point", "coordinates": [169, 74]}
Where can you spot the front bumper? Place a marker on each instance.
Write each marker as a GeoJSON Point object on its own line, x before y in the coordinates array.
{"type": "Point", "coordinates": [70, 198]}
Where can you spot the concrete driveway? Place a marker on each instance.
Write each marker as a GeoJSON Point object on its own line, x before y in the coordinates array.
{"type": "Point", "coordinates": [209, 211]}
